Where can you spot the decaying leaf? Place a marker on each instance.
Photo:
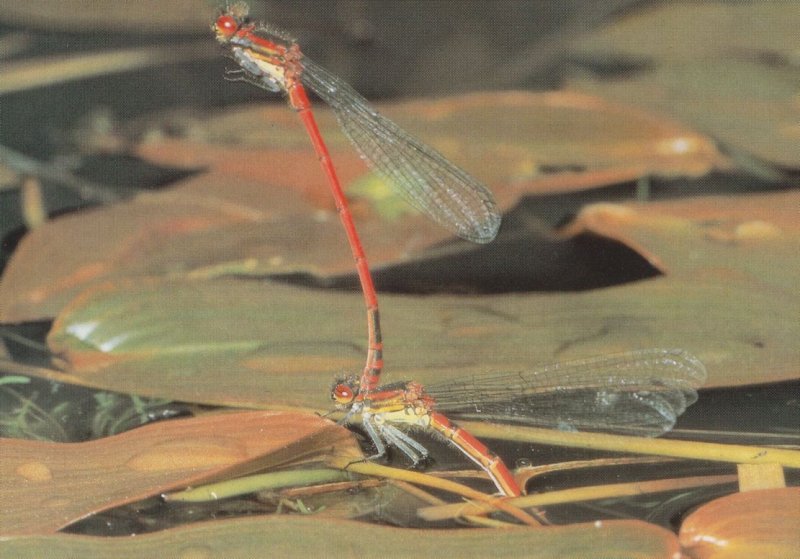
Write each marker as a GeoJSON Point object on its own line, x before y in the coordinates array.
{"type": "Point", "coordinates": [45, 486]}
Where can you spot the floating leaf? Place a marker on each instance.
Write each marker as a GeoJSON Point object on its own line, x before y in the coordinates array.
{"type": "Point", "coordinates": [45, 486]}
{"type": "Point", "coordinates": [724, 68]}
{"type": "Point", "coordinates": [210, 226]}
{"type": "Point", "coordinates": [511, 136]}
{"type": "Point", "coordinates": [299, 536]}
{"type": "Point", "coordinates": [729, 239]}
{"type": "Point", "coordinates": [249, 343]}
{"type": "Point", "coordinates": [763, 523]}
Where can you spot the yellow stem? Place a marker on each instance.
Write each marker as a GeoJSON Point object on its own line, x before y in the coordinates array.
{"type": "Point", "coordinates": [714, 452]}
{"type": "Point", "coordinates": [580, 494]}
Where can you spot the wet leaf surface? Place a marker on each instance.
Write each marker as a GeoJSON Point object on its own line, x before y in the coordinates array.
{"type": "Point", "coordinates": [282, 536]}
{"type": "Point", "coordinates": [722, 68]}
{"type": "Point", "coordinates": [504, 138]}
{"type": "Point", "coordinates": [755, 239]}
{"type": "Point", "coordinates": [763, 523]}
{"type": "Point", "coordinates": [259, 343]}
{"type": "Point", "coordinates": [46, 486]}
{"type": "Point", "coordinates": [200, 229]}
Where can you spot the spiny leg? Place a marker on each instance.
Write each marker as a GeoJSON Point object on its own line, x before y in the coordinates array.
{"type": "Point", "coordinates": [405, 444]}
{"type": "Point", "coordinates": [381, 434]}
{"type": "Point", "coordinates": [371, 429]}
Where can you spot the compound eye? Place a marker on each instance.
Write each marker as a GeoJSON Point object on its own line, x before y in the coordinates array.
{"type": "Point", "coordinates": [343, 393]}
{"type": "Point", "coordinates": [226, 25]}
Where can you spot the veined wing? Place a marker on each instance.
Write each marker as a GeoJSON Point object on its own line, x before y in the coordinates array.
{"type": "Point", "coordinates": [428, 181]}
{"type": "Point", "coordinates": [640, 392]}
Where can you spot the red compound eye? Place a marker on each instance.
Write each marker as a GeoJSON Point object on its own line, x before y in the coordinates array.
{"type": "Point", "coordinates": [343, 393]}
{"type": "Point", "coordinates": [226, 25]}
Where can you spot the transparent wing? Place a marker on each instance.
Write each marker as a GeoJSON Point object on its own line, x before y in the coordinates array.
{"type": "Point", "coordinates": [641, 392]}
{"type": "Point", "coordinates": [431, 183]}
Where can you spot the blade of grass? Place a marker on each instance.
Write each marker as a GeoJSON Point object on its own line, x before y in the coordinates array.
{"type": "Point", "coordinates": [579, 494]}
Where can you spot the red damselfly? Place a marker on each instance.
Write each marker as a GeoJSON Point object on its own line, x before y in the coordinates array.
{"type": "Point", "coordinates": [269, 58]}
{"type": "Point", "coordinates": [636, 393]}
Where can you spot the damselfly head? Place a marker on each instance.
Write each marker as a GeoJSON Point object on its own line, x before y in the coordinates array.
{"type": "Point", "coordinates": [225, 27]}
{"type": "Point", "coordinates": [229, 21]}
{"type": "Point", "coordinates": [344, 391]}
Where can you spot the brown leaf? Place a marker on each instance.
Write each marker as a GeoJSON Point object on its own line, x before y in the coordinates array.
{"type": "Point", "coordinates": [754, 238]}
{"type": "Point", "coordinates": [724, 68]}
{"type": "Point", "coordinates": [45, 486]}
{"type": "Point", "coordinates": [282, 346]}
{"type": "Point", "coordinates": [764, 523]}
{"type": "Point", "coordinates": [295, 536]}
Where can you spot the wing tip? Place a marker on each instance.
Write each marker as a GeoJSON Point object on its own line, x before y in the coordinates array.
{"type": "Point", "coordinates": [485, 231]}
{"type": "Point", "coordinates": [689, 363]}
